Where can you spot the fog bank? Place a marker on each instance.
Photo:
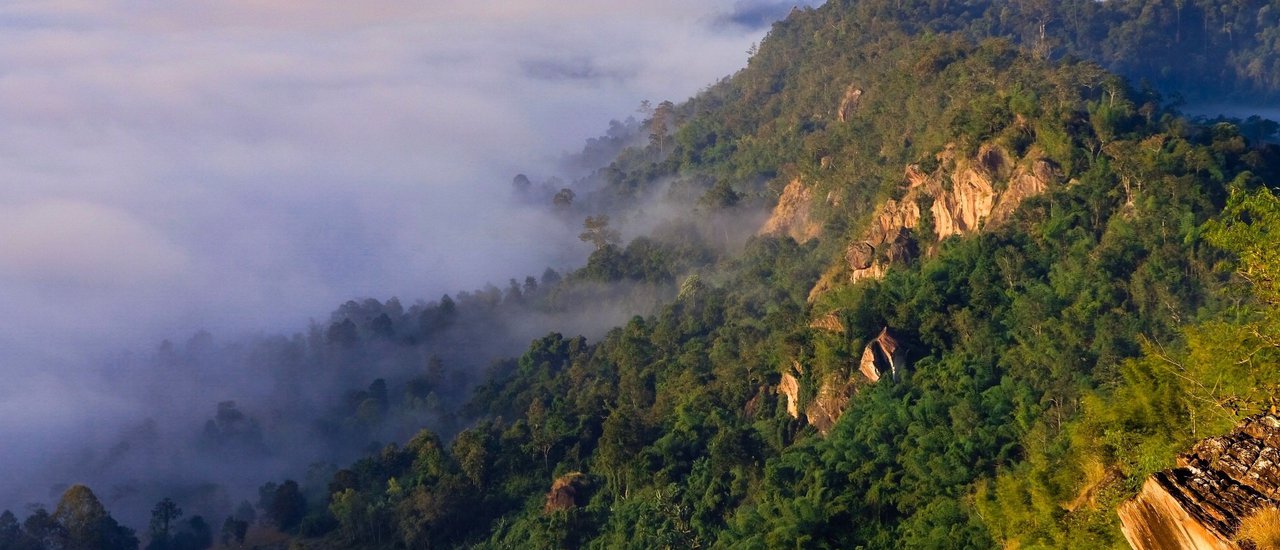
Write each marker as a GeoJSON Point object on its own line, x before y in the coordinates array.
{"type": "Point", "coordinates": [243, 167]}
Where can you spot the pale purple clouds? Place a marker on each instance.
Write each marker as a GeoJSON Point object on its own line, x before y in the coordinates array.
{"type": "Point", "coordinates": [260, 161]}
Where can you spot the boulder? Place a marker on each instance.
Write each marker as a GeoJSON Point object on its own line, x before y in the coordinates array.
{"type": "Point", "coordinates": [789, 387]}
{"type": "Point", "coordinates": [791, 216]}
{"type": "Point", "coordinates": [827, 407]}
{"type": "Point", "coordinates": [567, 492]}
{"type": "Point", "coordinates": [849, 103]}
{"type": "Point", "coordinates": [883, 356]}
{"type": "Point", "coordinates": [1200, 503]}
{"type": "Point", "coordinates": [860, 255]}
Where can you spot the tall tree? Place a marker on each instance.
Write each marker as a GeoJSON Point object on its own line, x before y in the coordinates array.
{"type": "Point", "coordinates": [287, 506]}
{"type": "Point", "coordinates": [87, 523]}
{"type": "Point", "coordinates": [596, 230]}
{"type": "Point", "coordinates": [162, 517]}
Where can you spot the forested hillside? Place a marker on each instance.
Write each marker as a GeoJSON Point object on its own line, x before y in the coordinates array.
{"type": "Point", "coordinates": [1072, 283]}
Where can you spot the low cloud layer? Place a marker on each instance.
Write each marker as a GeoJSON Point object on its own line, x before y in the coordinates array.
{"type": "Point", "coordinates": [276, 157]}
{"type": "Point", "coordinates": [244, 166]}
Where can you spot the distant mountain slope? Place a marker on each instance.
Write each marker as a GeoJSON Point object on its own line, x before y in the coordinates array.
{"type": "Point", "coordinates": [684, 428]}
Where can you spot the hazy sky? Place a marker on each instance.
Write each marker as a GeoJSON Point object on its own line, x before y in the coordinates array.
{"type": "Point", "coordinates": [248, 164]}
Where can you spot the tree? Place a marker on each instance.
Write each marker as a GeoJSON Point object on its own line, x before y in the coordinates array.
{"type": "Point", "coordinates": [245, 513]}
{"type": "Point", "coordinates": [267, 496]}
{"type": "Point", "coordinates": [721, 196]}
{"type": "Point", "coordinates": [596, 231]}
{"type": "Point", "coordinates": [43, 528]}
{"type": "Point", "coordinates": [80, 512]}
{"type": "Point", "coordinates": [234, 529]}
{"type": "Point", "coordinates": [521, 184]}
{"type": "Point", "coordinates": [348, 508]}
{"type": "Point", "coordinates": [194, 535]}
{"type": "Point", "coordinates": [473, 451]}
{"type": "Point", "coordinates": [661, 124]}
{"type": "Point", "coordinates": [87, 524]}
{"type": "Point", "coordinates": [12, 536]}
{"type": "Point", "coordinates": [1248, 228]}
{"type": "Point", "coordinates": [563, 199]}
{"type": "Point", "coordinates": [344, 334]}
{"type": "Point", "coordinates": [165, 513]}
{"type": "Point", "coordinates": [287, 506]}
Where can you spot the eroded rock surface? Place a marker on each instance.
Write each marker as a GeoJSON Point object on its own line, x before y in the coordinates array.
{"type": "Point", "coordinates": [827, 407]}
{"type": "Point", "coordinates": [849, 103]}
{"type": "Point", "coordinates": [567, 492]}
{"type": "Point", "coordinates": [883, 356]}
{"type": "Point", "coordinates": [789, 387]}
{"type": "Point", "coordinates": [963, 196]}
{"type": "Point", "coordinates": [792, 214]}
{"type": "Point", "coordinates": [1200, 503]}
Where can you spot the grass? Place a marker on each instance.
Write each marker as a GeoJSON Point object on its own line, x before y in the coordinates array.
{"type": "Point", "coordinates": [1262, 528]}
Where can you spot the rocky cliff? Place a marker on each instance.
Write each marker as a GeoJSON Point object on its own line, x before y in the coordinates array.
{"type": "Point", "coordinates": [789, 388]}
{"type": "Point", "coordinates": [567, 492]}
{"type": "Point", "coordinates": [792, 216]}
{"type": "Point", "coordinates": [961, 196]}
{"type": "Point", "coordinates": [1200, 503]}
{"type": "Point", "coordinates": [833, 396]}
{"type": "Point", "coordinates": [883, 356]}
{"type": "Point", "coordinates": [849, 103]}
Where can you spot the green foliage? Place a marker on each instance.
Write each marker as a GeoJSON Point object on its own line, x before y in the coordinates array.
{"type": "Point", "coordinates": [596, 230]}
{"type": "Point", "coordinates": [80, 522]}
{"type": "Point", "coordinates": [1202, 383]}
{"type": "Point", "coordinates": [1055, 360]}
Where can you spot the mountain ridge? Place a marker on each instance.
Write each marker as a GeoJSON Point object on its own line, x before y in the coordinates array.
{"type": "Point", "coordinates": [1032, 326]}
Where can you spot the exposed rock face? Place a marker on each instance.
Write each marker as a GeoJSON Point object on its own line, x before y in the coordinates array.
{"type": "Point", "coordinates": [1200, 503]}
{"type": "Point", "coordinates": [567, 492]}
{"type": "Point", "coordinates": [828, 405]}
{"type": "Point", "coordinates": [791, 215]}
{"type": "Point", "coordinates": [860, 255]}
{"type": "Point", "coordinates": [789, 387]}
{"type": "Point", "coordinates": [883, 356]}
{"type": "Point", "coordinates": [849, 102]}
{"type": "Point", "coordinates": [830, 322]}
{"type": "Point", "coordinates": [753, 405]}
{"type": "Point", "coordinates": [1023, 185]}
{"type": "Point", "coordinates": [889, 235]}
{"type": "Point", "coordinates": [965, 195]}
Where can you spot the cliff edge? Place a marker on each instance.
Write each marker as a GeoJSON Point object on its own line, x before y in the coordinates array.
{"type": "Point", "coordinates": [1201, 503]}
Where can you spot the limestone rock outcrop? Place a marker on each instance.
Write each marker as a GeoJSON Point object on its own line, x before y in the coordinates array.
{"type": "Point", "coordinates": [789, 387]}
{"type": "Point", "coordinates": [963, 196]}
{"type": "Point", "coordinates": [849, 103]}
{"type": "Point", "coordinates": [1200, 503]}
{"type": "Point", "coordinates": [830, 322]}
{"type": "Point", "coordinates": [833, 396]}
{"type": "Point", "coordinates": [883, 356]}
{"type": "Point", "coordinates": [567, 492]}
{"type": "Point", "coordinates": [792, 214]}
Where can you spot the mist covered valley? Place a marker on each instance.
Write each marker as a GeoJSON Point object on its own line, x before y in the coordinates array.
{"type": "Point", "coordinates": [192, 191]}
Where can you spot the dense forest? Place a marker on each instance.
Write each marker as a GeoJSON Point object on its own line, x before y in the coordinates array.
{"type": "Point", "coordinates": [1051, 361]}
